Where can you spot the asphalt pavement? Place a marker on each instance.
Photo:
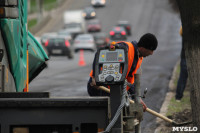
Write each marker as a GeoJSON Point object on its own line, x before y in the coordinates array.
{"type": "Point", "coordinates": [64, 77]}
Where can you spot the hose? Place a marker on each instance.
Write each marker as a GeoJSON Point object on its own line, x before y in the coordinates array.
{"type": "Point", "coordinates": [118, 112]}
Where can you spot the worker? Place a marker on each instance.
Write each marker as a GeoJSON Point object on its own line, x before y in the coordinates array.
{"type": "Point", "coordinates": [136, 52]}
{"type": "Point", "coordinates": [183, 74]}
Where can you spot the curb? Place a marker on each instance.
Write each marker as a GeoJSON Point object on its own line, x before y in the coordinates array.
{"type": "Point", "coordinates": [170, 94]}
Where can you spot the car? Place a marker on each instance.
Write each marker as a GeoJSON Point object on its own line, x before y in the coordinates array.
{"type": "Point", "coordinates": [118, 34]}
{"type": "Point", "coordinates": [59, 45]}
{"type": "Point", "coordinates": [45, 37]}
{"type": "Point", "coordinates": [126, 25]}
{"type": "Point", "coordinates": [89, 13]}
{"type": "Point", "coordinates": [85, 42]}
{"type": "Point", "coordinates": [67, 34]}
{"type": "Point", "coordinates": [94, 26]}
{"type": "Point", "coordinates": [98, 3]}
{"type": "Point", "coordinates": [101, 39]}
{"type": "Point", "coordinates": [74, 29]}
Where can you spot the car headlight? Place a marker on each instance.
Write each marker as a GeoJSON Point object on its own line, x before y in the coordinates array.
{"type": "Point", "coordinates": [93, 14]}
{"type": "Point", "coordinates": [84, 14]}
{"type": "Point", "coordinates": [103, 1]}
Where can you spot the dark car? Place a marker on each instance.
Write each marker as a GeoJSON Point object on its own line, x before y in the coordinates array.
{"type": "Point", "coordinates": [59, 45]}
{"type": "Point", "coordinates": [67, 34]}
{"type": "Point", "coordinates": [126, 25]}
{"type": "Point", "coordinates": [101, 39]}
{"type": "Point", "coordinates": [118, 34]}
{"type": "Point", "coordinates": [89, 13]}
{"type": "Point", "coordinates": [45, 37]}
{"type": "Point", "coordinates": [94, 26]}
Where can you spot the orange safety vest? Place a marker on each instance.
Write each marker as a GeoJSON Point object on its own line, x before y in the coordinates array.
{"type": "Point", "coordinates": [131, 54]}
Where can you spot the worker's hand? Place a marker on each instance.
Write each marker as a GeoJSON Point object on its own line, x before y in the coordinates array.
{"type": "Point", "coordinates": [93, 83]}
{"type": "Point", "coordinates": [144, 105]}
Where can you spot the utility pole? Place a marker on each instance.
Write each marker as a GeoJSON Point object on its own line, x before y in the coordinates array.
{"type": "Point", "coordinates": [39, 4]}
{"type": "Point", "coordinates": [29, 5]}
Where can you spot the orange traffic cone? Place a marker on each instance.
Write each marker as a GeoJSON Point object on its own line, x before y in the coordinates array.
{"type": "Point", "coordinates": [81, 59]}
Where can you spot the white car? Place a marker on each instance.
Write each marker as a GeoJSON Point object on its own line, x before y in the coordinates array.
{"type": "Point", "coordinates": [85, 42]}
{"type": "Point", "coordinates": [96, 3]}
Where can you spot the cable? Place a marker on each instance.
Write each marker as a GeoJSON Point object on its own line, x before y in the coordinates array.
{"type": "Point", "coordinates": [118, 112]}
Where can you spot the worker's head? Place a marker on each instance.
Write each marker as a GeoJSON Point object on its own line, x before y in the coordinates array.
{"type": "Point", "coordinates": [147, 44]}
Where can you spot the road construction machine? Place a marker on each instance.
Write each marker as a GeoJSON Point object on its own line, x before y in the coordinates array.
{"type": "Point", "coordinates": [15, 40]}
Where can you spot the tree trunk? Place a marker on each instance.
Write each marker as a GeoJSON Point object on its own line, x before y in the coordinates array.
{"type": "Point", "coordinates": [190, 17]}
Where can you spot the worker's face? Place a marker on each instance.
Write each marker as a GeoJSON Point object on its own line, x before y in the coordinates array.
{"type": "Point", "coordinates": [145, 52]}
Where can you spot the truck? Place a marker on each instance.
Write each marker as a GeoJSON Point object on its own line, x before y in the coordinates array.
{"type": "Point", "coordinates": [74, 22]}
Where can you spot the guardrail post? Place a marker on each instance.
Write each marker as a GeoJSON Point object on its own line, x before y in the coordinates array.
{"type": "Point", "coordinates": [137, 87]}
{"type": "Point", "coordinates": [137, 98]}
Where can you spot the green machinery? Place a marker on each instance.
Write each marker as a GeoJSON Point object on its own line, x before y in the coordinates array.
{"type": "Point", "coordinates": [14, 39]}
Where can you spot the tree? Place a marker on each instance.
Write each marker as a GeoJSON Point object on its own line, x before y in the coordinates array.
{"type": "Point", "coordinates": [190, 17]}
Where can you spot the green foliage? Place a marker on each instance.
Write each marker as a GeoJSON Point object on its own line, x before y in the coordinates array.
{"type": "Point", "coordinates": [50, 4]}
{"type": "Point", "coordinates": [47, 5]}
{"type": "Point", "coordinates": [32, 23]}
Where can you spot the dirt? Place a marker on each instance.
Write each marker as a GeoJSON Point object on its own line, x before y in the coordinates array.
{"type": "Point", "coordinates": [184, 116]}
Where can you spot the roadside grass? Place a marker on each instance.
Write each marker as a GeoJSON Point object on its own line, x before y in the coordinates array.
{"type": "Point", "coordinates": [179, 106]}
{"type": "Point", "coordinates": [175, 106]}
{"type": "Point", "coordinates": [47, 5]}
{"type": "Point", "coordinates": [50, 4]}
{"type": "Point", "coordinates": [32, 23]}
